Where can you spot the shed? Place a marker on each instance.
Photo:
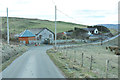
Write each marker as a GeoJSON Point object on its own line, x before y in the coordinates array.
{"type": "Point", "coordinates": [26, 36]}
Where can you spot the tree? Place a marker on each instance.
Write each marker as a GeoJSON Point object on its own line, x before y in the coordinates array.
{"type": "Point", "coordinates": [80, 33]}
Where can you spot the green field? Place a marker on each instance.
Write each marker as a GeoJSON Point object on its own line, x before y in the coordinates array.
{"type": "Point", "coordinates": [18, 25]}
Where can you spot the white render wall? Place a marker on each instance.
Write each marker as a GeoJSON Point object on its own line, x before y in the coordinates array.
{"type": "Point", "coordinates": [45, 34]}
{"type": "Point", "coordinates": [89, 33]}
{"type": "Point", "coordinates": [95, 31]}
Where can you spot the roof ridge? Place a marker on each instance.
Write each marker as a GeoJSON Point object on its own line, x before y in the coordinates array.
{"type": "Point", "coordinates": [26, 33]}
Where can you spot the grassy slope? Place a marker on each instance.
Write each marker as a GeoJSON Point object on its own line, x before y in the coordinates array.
{"type": "Point", "coordinates": [113, 31]}
{"type": "Point", "coordinates": [18, 25]}
{"type": "Point", "coordinates": [14, 52]}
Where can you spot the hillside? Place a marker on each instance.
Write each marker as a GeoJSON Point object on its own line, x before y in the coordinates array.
{"type": "Point", "coordinates": [18, 25]}
{"type": "Point", "coordinates": [111, 26]}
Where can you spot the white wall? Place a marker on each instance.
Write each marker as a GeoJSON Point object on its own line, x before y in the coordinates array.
{"type": "Point", "coordinates": [45, 34]}
{"type": "Point", "coordinates": [96, 31]}
{"type": "Point", "coordinates": [24, 42]}
{"type": "Point", "coordinates": [89, 33]}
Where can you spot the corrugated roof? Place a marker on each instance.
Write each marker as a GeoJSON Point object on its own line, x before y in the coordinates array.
{"type": "Point", "coordinates": [36, 30]}
{"type": "Point", "coordinates": [26, 33]}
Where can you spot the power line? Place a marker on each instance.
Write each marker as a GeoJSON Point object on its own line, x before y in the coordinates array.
{"type": "Point", "coordinates": [67, 15]}
{"type": "Point", "coordinates": [53, 2]}
{"type": "Point", "coordinates": [64, 13]}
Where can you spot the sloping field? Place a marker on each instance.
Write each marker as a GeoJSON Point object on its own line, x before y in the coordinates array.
{"type": "Point", "coordinates": [18, 25]}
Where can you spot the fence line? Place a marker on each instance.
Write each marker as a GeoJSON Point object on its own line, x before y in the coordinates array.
{"type": "Point", "coordinates": [73, 58]}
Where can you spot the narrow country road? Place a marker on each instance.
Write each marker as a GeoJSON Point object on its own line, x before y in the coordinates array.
{"type": "Point", "coordinates": [109, 39]}
{"type": "Point", "coordinates": [34, 63]}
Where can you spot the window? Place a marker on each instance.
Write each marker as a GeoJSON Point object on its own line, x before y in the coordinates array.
{"type": "Point", "coordinates": [40, 36]}
{"type": "Point", "coordinates": [37, 38]}
{"type": "Point", "coordinates": [50, 36]}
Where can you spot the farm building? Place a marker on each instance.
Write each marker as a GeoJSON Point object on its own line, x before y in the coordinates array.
{"type": "Point", "coordinates": [91, 30]}
{"type": "Point", "coordinates": [26, 37]}
{"type": "Point", "coordinates": [60, 35]}
{"type": "Point", "coordinates": [43, 33]}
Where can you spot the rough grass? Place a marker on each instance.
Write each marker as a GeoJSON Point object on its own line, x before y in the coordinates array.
{"type": "Point", "coordinates": [113, 31]}
{"type": "Point", "coordinates": [7, 63]}
{"type": "Point", "coordinates": [9, 53]}
{"type": "Point", "coordinates": [69, 60]}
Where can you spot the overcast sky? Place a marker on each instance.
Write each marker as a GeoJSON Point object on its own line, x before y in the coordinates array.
{"type": "Point", "coordinates": [89, 12]}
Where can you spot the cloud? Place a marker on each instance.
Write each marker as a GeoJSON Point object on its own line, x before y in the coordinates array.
{"type": "Point", "coordinates": [83, 11]}
{"type": "Point", "coordinates": [95, 16]}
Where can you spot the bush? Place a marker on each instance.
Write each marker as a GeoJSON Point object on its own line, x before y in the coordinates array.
{"type": "Point", "coordinates": [64, 37]}
{"type": "Point", "coordinates": [14, 39]}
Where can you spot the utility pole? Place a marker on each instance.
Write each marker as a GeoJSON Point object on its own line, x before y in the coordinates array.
{"type": "Point", "coordinates": [7, 28]}
{"type": "Point", "coordinates": [55, 24]}
{"type": "Point", "coordinates": [101, 35]}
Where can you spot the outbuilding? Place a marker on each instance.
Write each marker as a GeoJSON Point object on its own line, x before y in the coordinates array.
{"type": "Point", "coordinates": [43, 33]}
{"type": "Point", "coordinates": [26, 36]}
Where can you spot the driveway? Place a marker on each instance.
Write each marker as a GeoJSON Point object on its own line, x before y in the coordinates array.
{"type": "Point", "coordinates": [34, 63]}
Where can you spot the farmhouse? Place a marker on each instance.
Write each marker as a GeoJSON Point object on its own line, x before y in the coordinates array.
{"type": "Point", "coordinates": [26, 37]}
{"type": "Point", "coordinates": [43, 33]}
{"type": "Point", "coordinates": [91, 30]}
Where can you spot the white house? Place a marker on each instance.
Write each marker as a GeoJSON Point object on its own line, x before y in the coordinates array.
{"type": "Point", "coordinates": [91, 30]}
{"type": "Point", "coordinates": [42, 34]}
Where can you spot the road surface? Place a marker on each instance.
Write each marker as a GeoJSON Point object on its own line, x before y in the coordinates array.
{"type": "Point", "coordinates": [109, 39]}
{"type": "Point", "coordinates": [34, 63]}
{"type": "Point", "coordinates": [99, 42]}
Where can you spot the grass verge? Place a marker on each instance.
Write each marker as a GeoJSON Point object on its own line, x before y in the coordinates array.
{"type": "Point", "coordinates": [8, 62]}
{"type": "Point", "coordinates": [59, 64]}
{"type": "Point", "coordinates": [69, 60]}
{"type": "Point", "coordinates": [70, 69]}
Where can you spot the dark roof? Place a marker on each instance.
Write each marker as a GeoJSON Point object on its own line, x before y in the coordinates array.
{"type": "Point", "coordinates": [89, 29]}
{"type": "Point", "coordinates": [26, 33]}
{"type": "Point", "coordinates": [70, 31]}
{"type": "Point", "coordinates": [36, 31]}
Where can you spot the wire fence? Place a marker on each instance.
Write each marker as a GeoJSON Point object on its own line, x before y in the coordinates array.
{"type": "Point", "coordinates": [99, 64]}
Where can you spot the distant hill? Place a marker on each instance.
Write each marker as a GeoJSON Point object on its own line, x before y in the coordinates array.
{"type": "Point", "coordinates": [110, 26]}
{"type": "Point", "coordinates": [17, 25]}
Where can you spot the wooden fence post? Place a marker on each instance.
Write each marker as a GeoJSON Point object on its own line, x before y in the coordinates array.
{"type": "Point", "coordinates": [69, 54]}
{"type": "Point", "coordinates": [91, 62]}
{"type": "Point", "coordinates": [107, 68]}
{"type": "Point", "coordinates": [75, 56]}
{"type": "Point", "coordinates": [70, 57]}
{"type": "Point", "coordinates": [58, 47]}
{"type": "Point", "coordinates": [82, 59]}
{"type": "Point", "coordinates": [66, 53]}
